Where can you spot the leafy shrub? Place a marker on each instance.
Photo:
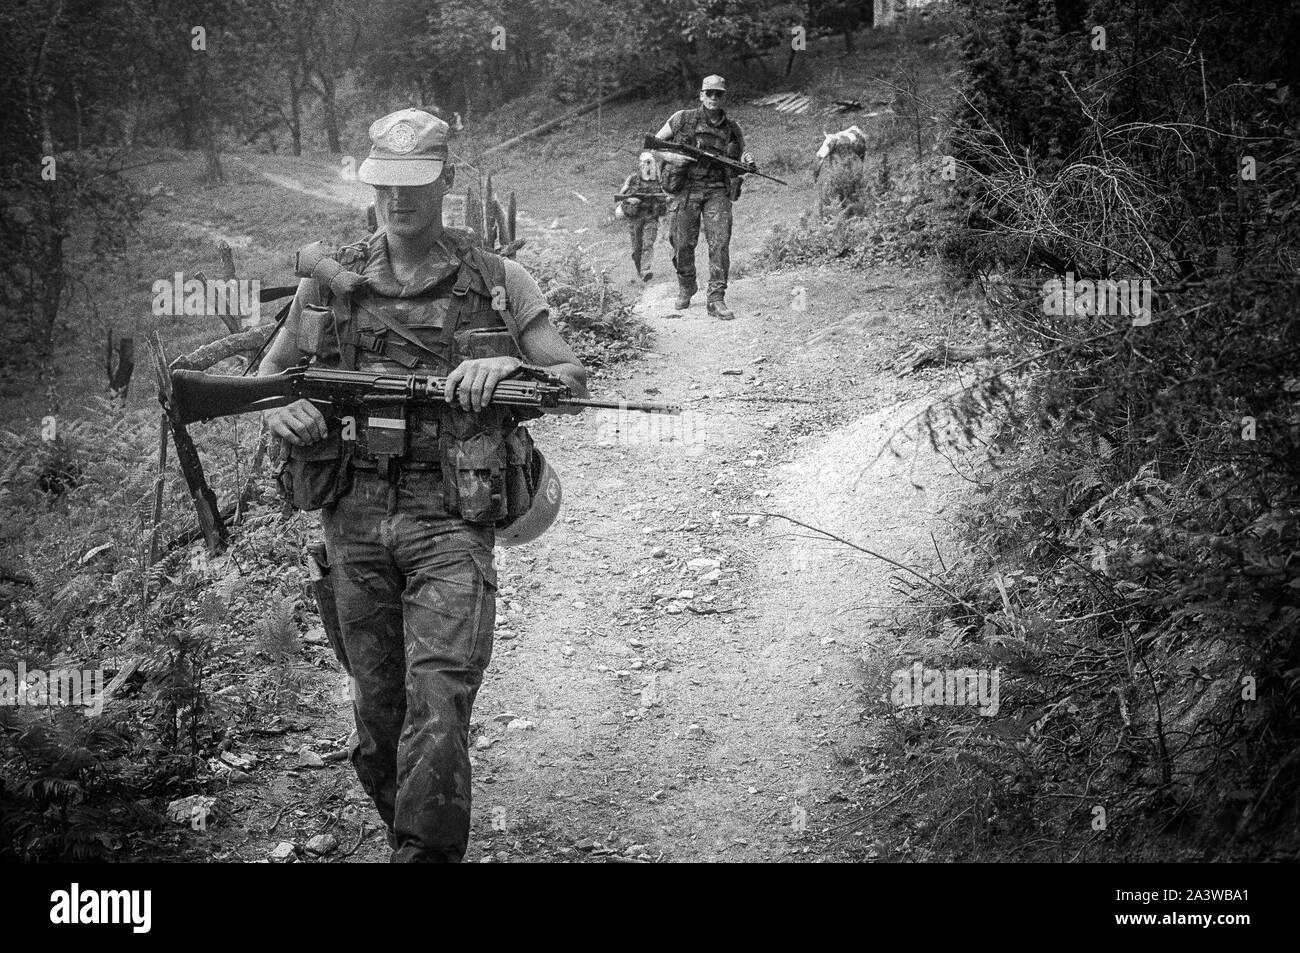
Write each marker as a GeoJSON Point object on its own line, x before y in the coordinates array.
{"type": "Point", "coordinates": [589, 311]}
{"type": "Point", "coordinates": [894, 223]}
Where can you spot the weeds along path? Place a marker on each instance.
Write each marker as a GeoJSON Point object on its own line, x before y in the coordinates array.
{"type": "Point", "coordinates": [673, 678]}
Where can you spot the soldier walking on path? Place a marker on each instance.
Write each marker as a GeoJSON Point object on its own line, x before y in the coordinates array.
{"type": "Point", "coordinates": [643, 213]}
{"type": "Point", "coordinates": [412, 501]}
{"type": "Point", "coordinates": [703, 191]}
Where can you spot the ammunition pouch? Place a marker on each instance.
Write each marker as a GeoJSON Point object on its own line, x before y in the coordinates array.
{"type": "Point", "coordinates": [490, 470]}
{"type": "Point", "coordinates": [318, 474]}
{"type": "Point", "coordinates": [474, 466]}
{"type": "Point", "coordinates": [524, 466]}
{"type": "Point", "coordinates": [674, 178]}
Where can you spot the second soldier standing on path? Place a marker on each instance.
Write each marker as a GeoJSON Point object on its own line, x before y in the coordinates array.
{"type": "Point", "coordinates": [643, 214]}
{"type": "Point", "coordinates": [703, 191]}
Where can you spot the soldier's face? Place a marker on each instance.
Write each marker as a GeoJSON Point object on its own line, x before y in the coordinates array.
{"type": "Point", "coordinates": [647, 168]}
{"type": "Point", "coordinates": [410, 209]}
{"type": "Point", "coordinates": [712, 98]}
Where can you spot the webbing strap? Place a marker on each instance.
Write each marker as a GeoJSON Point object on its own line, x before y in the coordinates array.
{"type": "Point", "coordinates": [405, 334]}
{"type": "Point", "coordinates": [459, 303]}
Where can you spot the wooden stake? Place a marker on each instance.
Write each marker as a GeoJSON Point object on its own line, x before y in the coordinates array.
{"type": "Point", "coordinates": [158, 484]}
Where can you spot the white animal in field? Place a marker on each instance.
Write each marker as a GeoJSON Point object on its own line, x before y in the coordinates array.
{"type": "Point", "coordinates": [843, 146]}
{"type": "Point", "coordinates": [838, 171]}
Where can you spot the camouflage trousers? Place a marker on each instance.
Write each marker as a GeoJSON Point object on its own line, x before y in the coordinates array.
{"type": "Point", "coordinates": [416, 595]}
{"type": "Point", "coordinates": [711, 204]}
{"type": "Point", "coordinates": [644, 231]}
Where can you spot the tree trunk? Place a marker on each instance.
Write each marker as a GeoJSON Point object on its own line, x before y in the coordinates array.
{"type": "Point", "coordinates": [330, 109]}
{"type": "Point", "coordinates": [76, 100]}
{"type": "Point", "coordinates": [52, 247]}
{"type": "Point", "coordinates": [686, 70]}
{"type": "Point", "coordinates": [212, 153]}
{"type": "Point", "coordinates": [51, 278]}
{"type": "Point", "coordinates": [295, 114]}
{"type": "Point", "coordinates": [207, 125]}
{"type": "Point", "coordinates": [186, 108]}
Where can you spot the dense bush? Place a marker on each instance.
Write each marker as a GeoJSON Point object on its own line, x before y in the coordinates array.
{"type": "Point", "coordinates": [1134, 565]}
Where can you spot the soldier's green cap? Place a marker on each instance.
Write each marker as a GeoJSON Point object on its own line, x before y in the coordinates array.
{"type": "Point", "coordinates": [408, 147]}
{"type": "Point", "coordinates": [714, 82]}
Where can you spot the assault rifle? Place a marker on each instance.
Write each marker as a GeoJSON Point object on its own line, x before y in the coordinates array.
{"type": "Point", "coordinates": [624, 196]}
{"type": "Point", "coordinates": [197, 396]}
{"type": "Point", "coordinates": [704, 155]}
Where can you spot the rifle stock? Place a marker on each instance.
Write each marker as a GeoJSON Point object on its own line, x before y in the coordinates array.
{"type": "Point", "coordinates": [197, 396]}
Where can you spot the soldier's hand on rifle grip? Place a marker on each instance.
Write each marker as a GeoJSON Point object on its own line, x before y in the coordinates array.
{"type": "Point", "coordinates": [473, 382]}
{"type": "Point", "coordinates": [300, 423]}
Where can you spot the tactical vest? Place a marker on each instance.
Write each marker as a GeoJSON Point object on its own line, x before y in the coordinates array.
{"type": "Point", "coordinates": [724, 139]}
{"type": "Point", "coordinates": [486, 458]}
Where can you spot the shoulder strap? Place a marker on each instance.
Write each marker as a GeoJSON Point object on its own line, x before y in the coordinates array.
{"type": "Point", "coordinates": [478, 263]}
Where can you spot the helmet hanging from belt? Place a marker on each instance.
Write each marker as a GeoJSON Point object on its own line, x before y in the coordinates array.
{"type": "Point", "coordinates": [540, 515]}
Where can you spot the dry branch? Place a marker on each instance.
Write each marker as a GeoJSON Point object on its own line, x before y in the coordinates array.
{"type": "Point", "coordinates": [919, 355]}
{"type": "Point", "coordinates": [245, 342]}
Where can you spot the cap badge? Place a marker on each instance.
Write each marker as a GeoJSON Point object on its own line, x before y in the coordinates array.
{"type": "Point", "coordinates": [401, 138]}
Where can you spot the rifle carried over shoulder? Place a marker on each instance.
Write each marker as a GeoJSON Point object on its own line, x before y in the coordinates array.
{"type": "Point", "coordinates": [703, 155]}
{"type": "Point", "coordinates": [197, 396]}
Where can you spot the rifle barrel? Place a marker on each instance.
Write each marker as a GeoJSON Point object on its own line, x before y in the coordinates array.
{"type": "Point", "coordinates": [646, 407]}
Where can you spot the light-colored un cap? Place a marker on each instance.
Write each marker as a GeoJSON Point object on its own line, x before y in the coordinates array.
{"type": "Point", "coordinates": [408, 147]}
{"type": "Point", "coordinates": [714, 82]}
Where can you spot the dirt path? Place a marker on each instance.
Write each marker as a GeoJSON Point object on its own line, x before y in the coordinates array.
{"type": "Point", "coordinates": [682, 712]}
{"type": "Point", "coordinates": [673, 679]}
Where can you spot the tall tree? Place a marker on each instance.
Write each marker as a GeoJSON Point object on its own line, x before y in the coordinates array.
{"type": "Point", "coordinates": [213, 56]}
{"type": "Point", "coordinates": [53, 176]}
{"type": "Point", "coordinates": [327, 41]}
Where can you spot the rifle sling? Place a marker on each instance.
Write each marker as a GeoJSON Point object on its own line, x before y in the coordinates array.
{"type": "Point", "coordinates": [279, 323]}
